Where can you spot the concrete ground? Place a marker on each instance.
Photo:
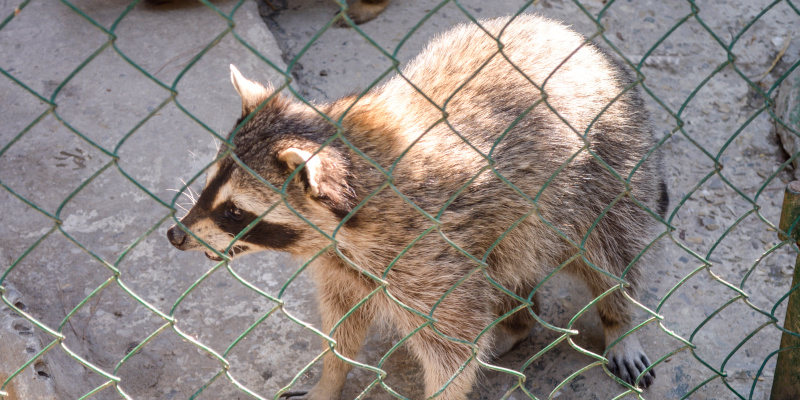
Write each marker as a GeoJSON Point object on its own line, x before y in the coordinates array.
{"type": "Point", "coordinates": [46, 275]}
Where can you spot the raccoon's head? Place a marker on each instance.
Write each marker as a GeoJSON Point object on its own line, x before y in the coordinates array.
{"type": "Point", "coordinates": [276, 141]}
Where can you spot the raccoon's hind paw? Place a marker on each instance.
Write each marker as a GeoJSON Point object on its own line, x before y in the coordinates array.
{"type": "Point", "coordinates": [294, 394]}
{"type": "Point", "coordinates": [342, 23]}
{"type": "Point", "coordinates": [628, 365]}
{"type": "Point", "coordinates": [362, 11]}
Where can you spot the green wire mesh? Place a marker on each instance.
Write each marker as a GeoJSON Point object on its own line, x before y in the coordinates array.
{"type": "Point", "coordinates": [116, 276]}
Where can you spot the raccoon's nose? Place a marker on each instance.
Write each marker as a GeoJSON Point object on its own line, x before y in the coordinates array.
{"type": "Point", "coordinates": [176, 236]}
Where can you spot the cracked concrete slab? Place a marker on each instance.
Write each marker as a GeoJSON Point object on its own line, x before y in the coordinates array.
{"type": "Point", "coordinates": [119, 225]}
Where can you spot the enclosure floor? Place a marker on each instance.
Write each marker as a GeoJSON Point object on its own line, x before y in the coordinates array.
{"type": "Point", "coordinates": [109, 97]}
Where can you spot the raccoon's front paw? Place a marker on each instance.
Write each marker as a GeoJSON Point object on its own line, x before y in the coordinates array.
{"type": "Point", "coordinates": [628, 361]}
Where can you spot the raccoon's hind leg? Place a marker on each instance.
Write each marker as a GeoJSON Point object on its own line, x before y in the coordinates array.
{"type": "Point", "coordinates": [515, 328]}
{"type": "Point", "coordinates": [626, 359]}
{"type": "Point", "coordinates": [363, 10]}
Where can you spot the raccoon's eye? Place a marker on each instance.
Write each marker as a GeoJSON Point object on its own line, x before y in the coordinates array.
{"type": "Point", "coordinates": [234, 214]}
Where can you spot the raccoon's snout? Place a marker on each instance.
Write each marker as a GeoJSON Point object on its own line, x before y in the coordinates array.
{"type": "Point", "coordinates": [176, 236]}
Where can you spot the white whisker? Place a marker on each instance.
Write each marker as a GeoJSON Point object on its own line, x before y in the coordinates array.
{"type": "Point", "coordinates": [182, 206]}
{"type": "Point", "coordinates": [195, 194]}
{"type": "Point", "coordinates": [190, 193]}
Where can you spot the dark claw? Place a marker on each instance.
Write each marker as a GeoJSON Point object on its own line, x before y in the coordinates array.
{"type": "Point", "coordinates": [622, 370]}
{"type": "Point", "coordinates": [295, 393]}
{"type": "Point", "coordinates": [612, 366]}
{"type": "Point", "coordinates": [629, 370]}
{"type": "Point", "coordinates": [647, 379]}
{"type": "Point", "coordinates": [633, 372]}
{"type": "Point", "coordinates": [646, 362]}
{"type": "Point", "coordinates": [639, 368]}
{"type": "Point", "coordinates": [650, 376]}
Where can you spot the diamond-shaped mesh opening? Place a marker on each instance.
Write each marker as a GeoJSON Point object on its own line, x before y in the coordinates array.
{"type": "Point", "coordinates": [56, 63]}
{"type": "Point", "coordinates": [58, 293]}
{"type": "Point", "coordinates": [107, 137]}
{"type": "Point", "coordinates": [125, 97]}
{"type": "Point", "coordinates": [65, 160]}
{"type": "Point", "coordinates": [764, 274]}
{"type": "Point", "coordinates": [128, 213]}
{"type": "Point", "coordinates": [22, 227]}
{"type": "Point", "coordinates": [22, 107]}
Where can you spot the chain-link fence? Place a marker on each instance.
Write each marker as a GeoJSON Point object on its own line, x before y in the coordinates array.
{"type": "Point", "coordinates": [96, 130]}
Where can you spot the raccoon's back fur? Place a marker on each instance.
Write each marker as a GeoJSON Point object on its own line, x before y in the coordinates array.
{"type": "Point", "coordinates": [482, 166]}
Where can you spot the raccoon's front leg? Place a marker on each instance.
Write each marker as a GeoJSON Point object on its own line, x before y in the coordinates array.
{"type": "Point", "coordinates": [463, 315]}
{"type": "Point", "coordinates": [349, 337]}
{"type": "Point", "coordinates": [339, 289]}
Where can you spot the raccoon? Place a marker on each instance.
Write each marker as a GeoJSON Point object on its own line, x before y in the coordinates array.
{"type": "Point", "coordinates": [480, 168]}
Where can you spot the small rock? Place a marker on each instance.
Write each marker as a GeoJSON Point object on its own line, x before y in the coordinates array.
{"type": "Point", "coordinates": [724, 108]}
{"type": "Point", "coordinates": [708, 310]}
{"type": "Point", "coordinates": [708, 196]}
{"type": "Point", "coordinates": [710, 223]}
{"type": "Point", "coordinates": [695, 240]}
{"type": "Point", "coordinates": [715, 183]}
{"type": "Point", "coordinates": [735, 375]}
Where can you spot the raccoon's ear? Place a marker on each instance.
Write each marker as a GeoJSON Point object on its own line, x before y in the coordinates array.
{"type": "Point", "coordinates": [294, 157]}
{"type": "Point", "coordinates": [252, 93]}
{"type": "Point", "coordinates": [325, 175]}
